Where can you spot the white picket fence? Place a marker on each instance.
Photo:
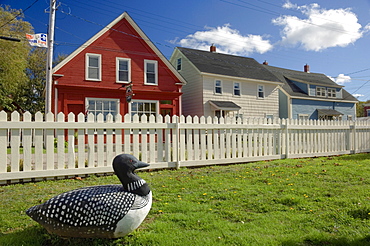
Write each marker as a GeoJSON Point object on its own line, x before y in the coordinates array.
{"type": "Point", "coordinates": [34, 149]}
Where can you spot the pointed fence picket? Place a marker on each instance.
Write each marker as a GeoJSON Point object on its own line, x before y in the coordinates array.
{"type": "Point", "coordinates": [36, 147]}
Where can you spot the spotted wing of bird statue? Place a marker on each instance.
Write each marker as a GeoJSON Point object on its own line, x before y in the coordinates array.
{"type": "Point", "coordinates": [105, 211]}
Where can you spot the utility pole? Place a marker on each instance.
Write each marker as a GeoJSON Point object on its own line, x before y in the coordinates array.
{"type": "Point", "coordinates": [49, 62]}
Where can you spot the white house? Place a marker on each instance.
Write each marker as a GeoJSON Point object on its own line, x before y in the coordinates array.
{"type": "Point", "coordinates": [225, 85]}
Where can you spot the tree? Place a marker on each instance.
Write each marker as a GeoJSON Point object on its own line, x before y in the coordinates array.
{"type": "Point", "coordinates": [360, 109]}
{"type": "Point", "coordinates": [13, 61]}
{"type": "Point", "coordinates": [33, 94]}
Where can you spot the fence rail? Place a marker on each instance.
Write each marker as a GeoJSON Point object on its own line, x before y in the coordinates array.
{"type": "Point", "coordinates": [38, 147]}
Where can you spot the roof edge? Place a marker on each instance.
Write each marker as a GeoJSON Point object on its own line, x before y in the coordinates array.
{"type": "Point", "coordinates": [89, 41]}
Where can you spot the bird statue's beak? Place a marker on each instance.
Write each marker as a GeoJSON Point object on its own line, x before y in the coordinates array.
{"type": "Point", "coordinates": [140, 164]}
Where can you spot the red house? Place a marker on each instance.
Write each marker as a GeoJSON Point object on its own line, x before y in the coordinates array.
{"type": "Point", "coordinates": [117, 71]}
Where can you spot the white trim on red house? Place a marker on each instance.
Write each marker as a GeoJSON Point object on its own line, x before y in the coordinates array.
{"type": "Point", "coordinates": [142, 35]}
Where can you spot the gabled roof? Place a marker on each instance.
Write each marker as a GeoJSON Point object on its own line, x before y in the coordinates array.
{"type": "Point", "coordinates": [142, 35]}
{"type": "Point", "coordinates": [227, 65]}
{"type": "Point", "coordinates": [287, 76]}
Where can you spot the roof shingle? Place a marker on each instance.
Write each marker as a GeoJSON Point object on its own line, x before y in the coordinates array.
{"type": "Point", "coordinates": [229, 65]}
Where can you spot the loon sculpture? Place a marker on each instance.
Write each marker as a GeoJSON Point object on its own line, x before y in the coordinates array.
{"type": "Point", "coordinates": [104, 211]}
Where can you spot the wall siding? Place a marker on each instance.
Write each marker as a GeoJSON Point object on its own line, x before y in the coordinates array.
{"type": "Point", "coordinates": [250, 105]}
{"type": "Point", "coordinates": [71, 89]}
{"type": "Point", "coordinates": [302, 106]}
{"type": "Point", "coordinates": [192, 92]}
{"type": "Point", "coordinates": [283, 105]}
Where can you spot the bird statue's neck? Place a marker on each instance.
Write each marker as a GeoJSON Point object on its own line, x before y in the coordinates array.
{"type": "Point", "coordinates": [134, 184]}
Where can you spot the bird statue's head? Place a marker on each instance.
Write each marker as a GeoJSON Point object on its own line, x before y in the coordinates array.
{"type": "Point", "coordinates": [124, 163]}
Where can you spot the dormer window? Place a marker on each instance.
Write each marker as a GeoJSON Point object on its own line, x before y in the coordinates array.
{"type": "Point", "coordinates": [321, 91]}
{"type": "Point", "coordinates": [332, 93]}
{"type": "Point", "coordinates": [179, 64]}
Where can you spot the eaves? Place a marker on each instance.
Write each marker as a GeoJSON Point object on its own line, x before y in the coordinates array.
{"type": "Point", "coordinates": [323, 99]}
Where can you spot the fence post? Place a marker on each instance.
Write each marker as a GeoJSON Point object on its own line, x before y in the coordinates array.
{"type": "Point", "coordinates": [182, 142]}
{"type": "Point", "coordinates": [353, 138]}
{"type": "Point", "coordinates": [27, 143]}
{"type": "Point", "coordinates": [49, 138]}
{"type": "Point", "coordinates": [81, 142]}
{"type": "Point", "coordinates": [14, 144]}
{"type": "Point", "coordinates": [60, 143]}
{"type": "Point", "coordinates": [3, 143]}
{"type": "Point", "coordinates": [175, 140]}
{"type": "Point", "coordinates": [287, 144]}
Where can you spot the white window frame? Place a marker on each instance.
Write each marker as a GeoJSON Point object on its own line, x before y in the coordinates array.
{"type": "Point", "coordinates": [303, 116]}
{"type": "Point", "coordinates": [349, 117]}
{"type": "Point", "coordinates": [258, 91]}
{"type": "Point", "coordinates": [116, 100]}
{"type": "Point", "coordinates": [144, 101]}
{"type": "Point", "coordinates": [118, 59]}
{"type": "Point", "coordinates": [146, 62]}
{"type": "Point", "coordinates": [179, 64]}
{"type": "Point", "coordinates": [218, 87]}
{"type": "Point", "coordinates": [332, 93]}
{"type": "Point", "coordinates": [88, 55]}
{"type": "Point", "coordinates": [320, 91]}
{"type": "Point", "coordinates": [237, 89]}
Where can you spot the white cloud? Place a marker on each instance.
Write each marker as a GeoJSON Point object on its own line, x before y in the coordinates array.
{"type": "Point", "coordinates": [321, 29]}
{"type": "Point", "coordinates": [358, 95]}
{"type": "Point", "coordinates": [341, 79]}
{"type": "Point", "coordinates": [227, 40]}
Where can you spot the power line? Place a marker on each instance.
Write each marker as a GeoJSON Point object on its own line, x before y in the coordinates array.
{"type": "Point", "coordinates": [267, 11]}
{"type": "Point", "coordinates": [366, 69]}
{"type": "Point", "coordinates": [157, 43]}
{"type": "Point", "coordinates": [20, 13]}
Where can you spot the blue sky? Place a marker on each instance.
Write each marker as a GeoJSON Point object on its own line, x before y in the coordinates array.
{"type": "Point", "coordinates": [333, 37]}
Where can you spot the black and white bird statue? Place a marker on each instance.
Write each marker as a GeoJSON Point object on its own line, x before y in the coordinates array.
{"type": "Point", "coordinates": [105, 211]}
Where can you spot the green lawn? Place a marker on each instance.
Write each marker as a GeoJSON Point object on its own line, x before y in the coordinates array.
{"type": "Point", "coordinates": [314, 201]}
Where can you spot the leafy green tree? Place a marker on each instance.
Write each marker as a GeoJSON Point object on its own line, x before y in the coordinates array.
{"type": "Point", "coordinates": [360, 109]}
{"type": "Point", "coordinates": [13, 60]}
{"type": "Point", "coordinates": [33, 93]}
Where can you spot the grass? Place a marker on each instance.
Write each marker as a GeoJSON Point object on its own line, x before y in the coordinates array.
{"type": "Point", "coordinates": [314, 201]}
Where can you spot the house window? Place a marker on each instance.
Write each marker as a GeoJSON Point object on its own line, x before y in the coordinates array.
{"type": "Point", "coordinates": [218, 87]}
{"type": "Point", "coordinates": [349, 117]}
{"type": "Point", "coordinates": [320, 91]}
{"type": "Point", "coordinates": [151, 72]}
{"type": "Point", "coordinates": [303, 116]}
{"type": "Point", "coordinates": [368, 113]}
{"type": "Point", "coordinates": [236, 89]}
{"type": "Point", "coordinates": [237, 116]}
{"type": "Point", "coordinates": [261, 91]}
{"type": "Point", "coordinates": [103, 106]}
{"type": "Point", "coordinates": [220, 113]}
{"type": "Point", "coordinates": [93, 67]}
{"type": "Point", "coordinates": [179, 64]}
{"type": "Point", "coordinates": [144, 107]}
{"type": "Point", "coordinates": [332, 93]}
{"type": "Point", "coordinates": [123, 66]}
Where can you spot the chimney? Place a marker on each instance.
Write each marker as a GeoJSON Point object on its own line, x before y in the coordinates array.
{"type": "Point", "coordinates": [265, 63]}
{"type": "Point", "coordinates": [307, 68]}
{"type": "Point", "coordinates": [212, 48]}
